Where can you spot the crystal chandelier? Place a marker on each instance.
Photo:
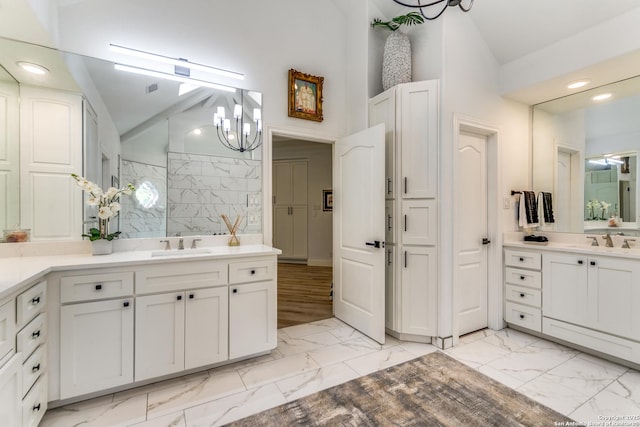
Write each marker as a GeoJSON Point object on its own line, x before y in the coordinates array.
{"type": "Point", "coordinates": [240, 139]}
{"type": "Point", "coordinates": [428, 8]}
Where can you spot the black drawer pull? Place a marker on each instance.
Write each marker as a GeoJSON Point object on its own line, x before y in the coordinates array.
{"type": "Point", "coordinates": [99, 286]}
{"type": "Point", "coordinates": [35, 368]}
{"type": "Point", "coordinates": [580, 262]}
{"type": "Point", "coordinates": [192, 296]}
{"type": "Point", "coordinates": [521, 259]}
{"type": "Point", "coordinates": [179, 297]}
{"type": "Point", "coordinates": [522, 316]}
{"type": "Point", "coordinates": [253, 272]}
{"type": "Point", "coordinates": [592, 262]}
{"type": "Point", "coordinates": [125, 304]}
{"type": "Point", "coordinates": [35, 300]}
{"type": "Point", "coordinates": [522, 295]}
{"type": "Point", "coordinates": [35, 334]}
{"type": "Point", "coordinates": [36, 407]}
{"type": "Point", "coordinates": [522, 277]}
{"type": "Point", "coordinates": [235, 290]}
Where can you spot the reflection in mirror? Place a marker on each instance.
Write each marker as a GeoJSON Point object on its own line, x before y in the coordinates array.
{"type": "Point", "coordinates": [158, 135]}
{"type": "Point", "coordinates": [9, 156]}
{"type": "Point", "coordinates": [584, 153]}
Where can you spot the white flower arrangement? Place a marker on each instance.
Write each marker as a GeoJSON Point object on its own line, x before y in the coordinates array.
{"type": "Point", "coordinates": [107, 204]}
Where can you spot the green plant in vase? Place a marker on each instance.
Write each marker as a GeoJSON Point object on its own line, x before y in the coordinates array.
{"type": "Point", "coordinates": [107, 203]}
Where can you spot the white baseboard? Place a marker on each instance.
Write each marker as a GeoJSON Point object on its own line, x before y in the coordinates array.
{"type": "Point", "coordinates": [320, 262]}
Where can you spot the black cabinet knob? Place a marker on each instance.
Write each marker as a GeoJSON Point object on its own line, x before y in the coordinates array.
{"type": "Point", "coordinates": [522, 316]}
{"type": "Point", "coordinates": [592, 262]}
{"type": "Point", "coordinates": [36, 334]}
{"type": "Point", "coordinates": [179, 297]}
{"type": "Point", "coordinates": [36, 407]}
{"type": "Point", "coordinates": [35, 300]}
{"type": "Point", "coordinates": [235, 290]}
{"type": "Point", "coordinates": [125, 304]}
{"type": "Point", "coordinates": [253, 272]}
{"type": "Point", "coordinates": [522, 277]}
{"type": "Point", "coordinates": [521, 295]}
{"type": "Point", "coordinates": [192, 296]}
{"type": "Point", "coordinates": [580, 262]}
{"type": "Point", "coordinates": [35, 368]}
{"type": "Point", "coordinates": [521, 259]}
{"type": "Point", "coordinates": [98, 286]}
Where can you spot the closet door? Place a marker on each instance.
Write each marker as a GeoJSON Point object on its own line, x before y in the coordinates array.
{"type": "Point", "coordinates": [290, 208]}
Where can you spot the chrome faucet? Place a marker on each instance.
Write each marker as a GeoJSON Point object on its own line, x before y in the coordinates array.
{"type": "Point", "coordinates": [594, 241]}
{"type": "Point", "coordinates": [608, 241]}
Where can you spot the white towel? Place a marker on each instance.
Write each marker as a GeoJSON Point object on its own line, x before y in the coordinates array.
{"type": "Point", "coordinates": [528, 206]}
{"type": "Point", "coordinates": [541, 209]}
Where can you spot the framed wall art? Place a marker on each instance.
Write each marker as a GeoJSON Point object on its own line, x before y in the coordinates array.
{"type": "Point", "coordinates": [305, 96]}
{"type": "Point", "coordinates": [327, 200]}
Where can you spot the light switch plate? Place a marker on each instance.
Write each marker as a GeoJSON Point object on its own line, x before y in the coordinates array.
{"type": "Point", "coordinates": [506, 203]}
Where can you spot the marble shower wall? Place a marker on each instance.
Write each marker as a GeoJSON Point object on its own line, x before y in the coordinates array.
{"type": "Point", "coordinates": [137, 220]}
{"type": "Point", "coordinates": [201, 188]}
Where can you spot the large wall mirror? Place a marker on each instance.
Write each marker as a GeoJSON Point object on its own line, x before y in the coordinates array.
{"type": "Point", "coordinates": [155, 133]}
{"type": "Point", "coordinates": [585, 152]}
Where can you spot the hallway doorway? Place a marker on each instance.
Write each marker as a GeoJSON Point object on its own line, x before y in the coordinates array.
{"type": "Point", "coordinates": [302, 228]}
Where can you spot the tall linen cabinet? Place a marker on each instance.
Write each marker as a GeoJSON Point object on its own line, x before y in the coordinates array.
{"type": "Point", "coordinates": [410, 114]}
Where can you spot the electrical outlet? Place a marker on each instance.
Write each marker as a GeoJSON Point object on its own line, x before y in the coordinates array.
{"type": "Point", "coordinates": [506, 203]}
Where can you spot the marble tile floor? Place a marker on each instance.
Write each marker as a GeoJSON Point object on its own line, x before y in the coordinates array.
{"type": "Point", "coordinates": [318, 355]}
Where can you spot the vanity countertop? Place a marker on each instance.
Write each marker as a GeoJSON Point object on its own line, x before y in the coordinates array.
{"type": "Point", "coordinates": [19, 271]}
{"type": "Point", "coordinates": [586, 249]}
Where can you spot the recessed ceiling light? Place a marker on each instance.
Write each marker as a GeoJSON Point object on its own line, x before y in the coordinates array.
{"type": "Point", "coordinates": [601, 97]}
{"type": "Point", "coordinates": [577, 84]}
{"type": "Point", "coordinates": [197, 131]}
{"type": "Point", "coordinates": [33, 68]}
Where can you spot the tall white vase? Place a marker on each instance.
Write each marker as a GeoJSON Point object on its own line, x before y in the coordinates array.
{"type": "Point", "coordinates": [396, 60]}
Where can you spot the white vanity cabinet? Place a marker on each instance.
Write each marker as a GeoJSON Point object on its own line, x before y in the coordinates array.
{"type": "Point", "coordinates": [96, 332]}
{"type": "Point", "coordinates": [602, 293]}
{"type": "Point", "coordinates": [252, 307]}
{"type": "Point", "coordinates": [523, 283]}
{"type": "Point", "coordinates": [11, 390]}
{"type": "Point", "coordinates": [410, 115]}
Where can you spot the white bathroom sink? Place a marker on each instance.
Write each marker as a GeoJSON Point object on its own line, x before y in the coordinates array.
{"type": "Point", "coordinates": [180, 252]}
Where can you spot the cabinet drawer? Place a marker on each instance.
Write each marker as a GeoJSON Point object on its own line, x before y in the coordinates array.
{"type": "Point", "coordinates": [34, 404]}
{"type": "Point", "coordinates": [419, 222]}
{"type": "Point", "coordinates": [30, 303]}
{"type": "Point", "coordinates": [96, 286]}
{"type": "Point", "coordinates": [181, 276]}
{"type": "Point", "coordinates": [252, 271]}
{"type": "Point", "coordinates": [520, 277]}
{"type": "Point", "coordinates": [33, 367]}
{"type": "Point", "coordinates": [521, 315]}
{"type": "Point", "coordinates": [7, 328]}
{"type": "Point", "coordinates": [522, 295]}
{"type": "Point", "coordinates": [32, 335]}
{"type": "Point", "coordinates": [515, 258]}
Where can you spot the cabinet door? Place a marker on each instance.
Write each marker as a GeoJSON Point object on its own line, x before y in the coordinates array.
{"type": "Point", "coordinates": [96, 346]}
{"type": "Point", "coordinates": [283, 230]}
{"type": "Point", "coordinates": [564, 287]}
{"type": "Point", "coordinates": [390, 288]}
{"type": "Point", "coordinates": [419, 222]}
{"type": "Point", "coordinates": [252, 318]}
{"type": "Point", "coordinates": [419, 291]}
{"type": "Point", "coordinates": [382, 109]}
{"type": "Point", "coordinates": [389, 225]}
{"type": "Point", "coordinates": [290, 182]}
{"type": "Point", "coordinates": [614, 296]}
{"type": "Point", "coordinates": [299, 231]}
{"type": "Point", "coordinates": [11, 392]}
{"type": "Point", "coordinates": [7, 328]}
{"type": "Point", "coordinates": [418, 139]}
{"type": "Point", "coordinates": [159, 335]}
{"type": "Point", "coordinates": [206, 327]}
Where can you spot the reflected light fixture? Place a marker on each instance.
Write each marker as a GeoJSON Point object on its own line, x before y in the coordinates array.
{"type": "Point", "coordinates": [180, 63]}
{"type": "Point", "coordinates": [431, 10]}
{"type": "Point", "coordinates": [173, 77]}
{"type": "Point", "coordinates": [32, 68]}
{"type": "Point", "coordinates": [577, 84]}
{"type": "Point", "coordinates": [239, 139]}
{"type": "Point", "coordinates": [601, 97]}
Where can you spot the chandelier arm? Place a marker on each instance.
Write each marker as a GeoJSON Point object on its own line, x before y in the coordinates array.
{"type": "Point", "coordinates": [223, 139]}
{"type": "Point", "coordinates": [418, 6]}
{"type": "Point", "coordinates": [468, 8]}
{"type": "Point", "coordinates": [433, 18]}
{"type": "Point", "coordinates": [253, 145]}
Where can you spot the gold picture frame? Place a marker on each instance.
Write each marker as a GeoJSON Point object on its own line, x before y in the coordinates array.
{"type": "Point", "coordinates": [305, 96]}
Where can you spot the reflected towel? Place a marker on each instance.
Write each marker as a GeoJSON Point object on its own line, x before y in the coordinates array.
{"type": "Point", "coordinates": [528, 210]}
{"type": "Point", "coordinates": [545, 208]}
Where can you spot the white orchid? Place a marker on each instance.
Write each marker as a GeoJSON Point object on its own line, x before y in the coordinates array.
{"type": "Point", "coordinates": [107, 204]}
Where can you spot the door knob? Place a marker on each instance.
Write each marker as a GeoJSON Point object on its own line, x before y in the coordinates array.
{"type": "Point", "coordinates": [485, 241]}
{"type": "Point", "coordinates": [375, 244]}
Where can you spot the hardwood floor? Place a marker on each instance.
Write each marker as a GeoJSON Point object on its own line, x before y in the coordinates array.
{"type": "Point", "coordinates": [303, 294]}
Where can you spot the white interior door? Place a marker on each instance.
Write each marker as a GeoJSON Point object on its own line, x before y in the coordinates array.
{"type": "Point", "coordinates": [472, 229]}
{"type": "Point", "coordinates": [358, 212]}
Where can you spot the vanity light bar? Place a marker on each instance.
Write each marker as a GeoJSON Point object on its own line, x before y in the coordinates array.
{"type": "Point", "coordinates": [145, 72]}
{"type": "Point", "coordinates": [175, 61]}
